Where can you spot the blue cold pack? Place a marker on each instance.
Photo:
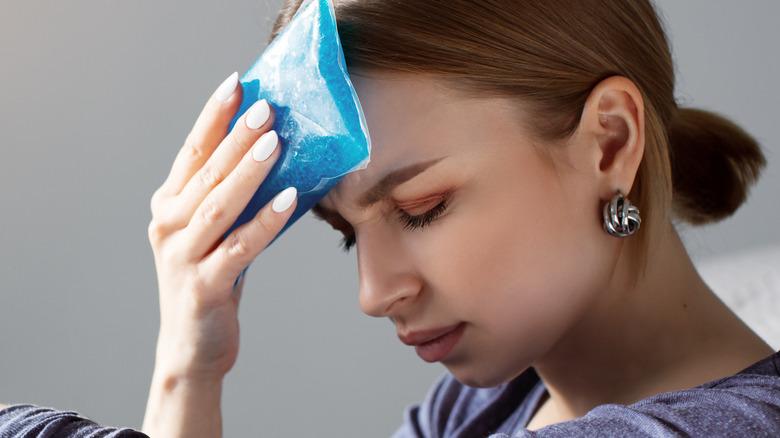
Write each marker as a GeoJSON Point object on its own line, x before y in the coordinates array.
{"type": "Point", "coordinates": [320, 123]}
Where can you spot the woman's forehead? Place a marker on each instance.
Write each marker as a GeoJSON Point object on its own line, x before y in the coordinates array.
{"type": "Point", "coordinates": [407, 119]}
{"type": "Point", "coordinates": [415, 117]}
{"type": "Point", "coordinates": [418, 129]}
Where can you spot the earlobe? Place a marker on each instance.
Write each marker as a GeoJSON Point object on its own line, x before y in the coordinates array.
{"type": "Point", "coordinates": [614, 115]}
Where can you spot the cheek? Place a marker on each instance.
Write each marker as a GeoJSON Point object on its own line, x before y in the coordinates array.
{"type": "Point", "coordinates": [522, 266]}
{"type": "Point", "coordinates": [547, 251]}
{"type": "Point", "coordinates": [532, 253]}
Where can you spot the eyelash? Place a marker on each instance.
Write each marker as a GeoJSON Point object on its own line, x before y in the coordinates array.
{"type": "Point", "coordinates": [422, 220]}
{"type": "Point", "coordinates": [410, 222]}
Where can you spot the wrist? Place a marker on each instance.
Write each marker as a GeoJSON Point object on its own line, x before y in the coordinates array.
{"type": "Point", "coordinates": [190, 355]}
{"type": "Point", "coordinates": [180, 405]}
{"type": "Point", "coordinates": [179, 372]}
{"type": "Point", "coordinates": [172, 382]}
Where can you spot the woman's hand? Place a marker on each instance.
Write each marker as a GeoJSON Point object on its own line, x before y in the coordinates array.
{"type": "Point", "coordinates": [212, 179]}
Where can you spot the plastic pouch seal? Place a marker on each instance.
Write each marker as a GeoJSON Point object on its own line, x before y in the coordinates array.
{"type": "Point", "coordinates": [320, 123]}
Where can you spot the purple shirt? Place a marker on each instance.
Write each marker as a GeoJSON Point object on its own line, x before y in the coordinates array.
{"type": "Point", "coordinates": [746, 404]}
{"type": "Point", "coordinates": [27, 421]}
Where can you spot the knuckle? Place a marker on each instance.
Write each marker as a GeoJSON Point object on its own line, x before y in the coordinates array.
{"type": "Point", "coordinates": [246, 242]}
{"type": "Point", "coordinates": [209, 177]}
{"type": "Point", "coordinates": [211, 211]}
{"type": "Point", "coordinates": [259, 228]}
{"type": "Point", "coordinates": [238, 143]}
{"type": "Point", "coordinates": [165, 219]}
{"type": "Point", "coordinates": [236, 246]}
{"type": "Point", "coordinates": [241, 175]}
{"type": "Point", "coordinates": [157, 232]}
{"type": "Point", "coordinates": [192, 149]}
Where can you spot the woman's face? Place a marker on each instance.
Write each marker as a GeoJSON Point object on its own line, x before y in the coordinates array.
{"type": "Point", "coordinates": [483, 251]}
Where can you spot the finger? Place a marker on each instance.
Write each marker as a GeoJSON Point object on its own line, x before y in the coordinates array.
{"type": "Point", "coordinates": [220, 209]}
{"type": "Point", "coordinates": [238, 250]}
{"type": "Point", "coordinates": [207, 133]}
{"type": "Point", "coordinates": [257, 120]}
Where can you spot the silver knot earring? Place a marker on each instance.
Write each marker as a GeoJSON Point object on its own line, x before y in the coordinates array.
{"type": "Point", "coordinates": [621, 219]}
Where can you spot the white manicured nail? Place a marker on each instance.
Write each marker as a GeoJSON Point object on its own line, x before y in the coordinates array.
{"type": "Point", "coordinates": [226, 88]}
{"type": "Point", "coordinates": [265, 146]}
{"type": "Point", "coordinates": [258, 114]}
{"type": "Point", "coordinates": [284, 200]}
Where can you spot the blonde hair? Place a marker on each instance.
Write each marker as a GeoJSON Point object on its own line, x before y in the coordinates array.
{"type": "Point", "coordinates": [550, 54]}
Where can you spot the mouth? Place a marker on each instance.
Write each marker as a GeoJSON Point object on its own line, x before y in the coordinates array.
{"type": "Point", "coordinates": [435, 344]}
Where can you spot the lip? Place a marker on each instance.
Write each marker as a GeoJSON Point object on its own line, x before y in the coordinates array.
{"type": "Point", "coordinates": [435, 344]}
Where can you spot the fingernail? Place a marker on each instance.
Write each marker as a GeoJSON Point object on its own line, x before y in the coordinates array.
{"type": "Point", "coordinates": [258, 114]}
{"type": "Point", "coordinates": [265, 146]}
{"type": "Point", "coordinates": [226, 88]}
{"type": "Point", "coordinates": [284, 200]}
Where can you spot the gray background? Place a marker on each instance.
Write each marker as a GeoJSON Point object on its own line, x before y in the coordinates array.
{"type": "Point", "coordinates": [96, 97]}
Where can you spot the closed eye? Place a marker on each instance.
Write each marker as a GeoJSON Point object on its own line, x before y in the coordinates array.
{"type": "Point", "coordinates": [408, 221]}
{"type": "Point", "coordinates": [418, 222]}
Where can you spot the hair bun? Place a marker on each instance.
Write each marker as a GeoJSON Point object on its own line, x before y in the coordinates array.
{"type": "Point", "coordinates": [714, 163]}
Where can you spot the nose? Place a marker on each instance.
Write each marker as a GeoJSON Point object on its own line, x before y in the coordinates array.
{"type": "Point", "coordinates": [388, 284]}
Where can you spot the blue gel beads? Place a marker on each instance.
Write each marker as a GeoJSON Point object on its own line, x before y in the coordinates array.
{"type": "Point", "coordinates": [319, 120]}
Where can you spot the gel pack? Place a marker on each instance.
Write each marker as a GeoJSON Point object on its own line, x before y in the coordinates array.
{"type": "Point", "coordinates": [320, 123]}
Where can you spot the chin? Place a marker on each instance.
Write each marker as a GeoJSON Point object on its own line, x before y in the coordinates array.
{"type": "Point", "coordinates": [476, 378]}
{"type": "Point", "coordinates": [486, 373]}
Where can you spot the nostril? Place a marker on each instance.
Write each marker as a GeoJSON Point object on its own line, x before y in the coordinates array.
{"type": "Point", "coordinates": [389, 295]}
{"type": "Point", "coordinates": [396, 304]}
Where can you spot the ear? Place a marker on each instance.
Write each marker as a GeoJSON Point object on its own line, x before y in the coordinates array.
{"type": "Point", "coordinates": [613, 127]}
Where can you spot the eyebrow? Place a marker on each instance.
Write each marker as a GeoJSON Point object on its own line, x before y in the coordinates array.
{"type": "Point", "coordinates": [380, 190]}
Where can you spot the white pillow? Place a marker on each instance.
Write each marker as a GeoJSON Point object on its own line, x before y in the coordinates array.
{"type": "Point", "coordinates": [749, 283]}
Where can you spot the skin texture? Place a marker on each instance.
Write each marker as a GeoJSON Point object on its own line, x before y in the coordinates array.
{"type": "Point", "coordinates": [462, 219]}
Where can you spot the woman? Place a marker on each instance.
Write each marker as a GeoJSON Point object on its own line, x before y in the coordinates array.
{"type": "Point", "coordinates": [493, 227]}
{"type": "Point", "coordinates": [500, 130]}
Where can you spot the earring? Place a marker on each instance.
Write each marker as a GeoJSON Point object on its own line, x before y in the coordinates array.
{"type": "Point", "coordinates": [621, 219]}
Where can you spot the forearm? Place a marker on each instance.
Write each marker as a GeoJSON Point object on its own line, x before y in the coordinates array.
{"type": "Point", "coordinates": [180, 407]}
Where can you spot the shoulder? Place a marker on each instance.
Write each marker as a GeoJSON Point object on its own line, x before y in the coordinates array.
{"type": "Point", "coordinates": [746, 401]}
{"type": "Point", "coordinates": [28, 421]}
{"type": "Point", "coordinates": [744, 404]}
